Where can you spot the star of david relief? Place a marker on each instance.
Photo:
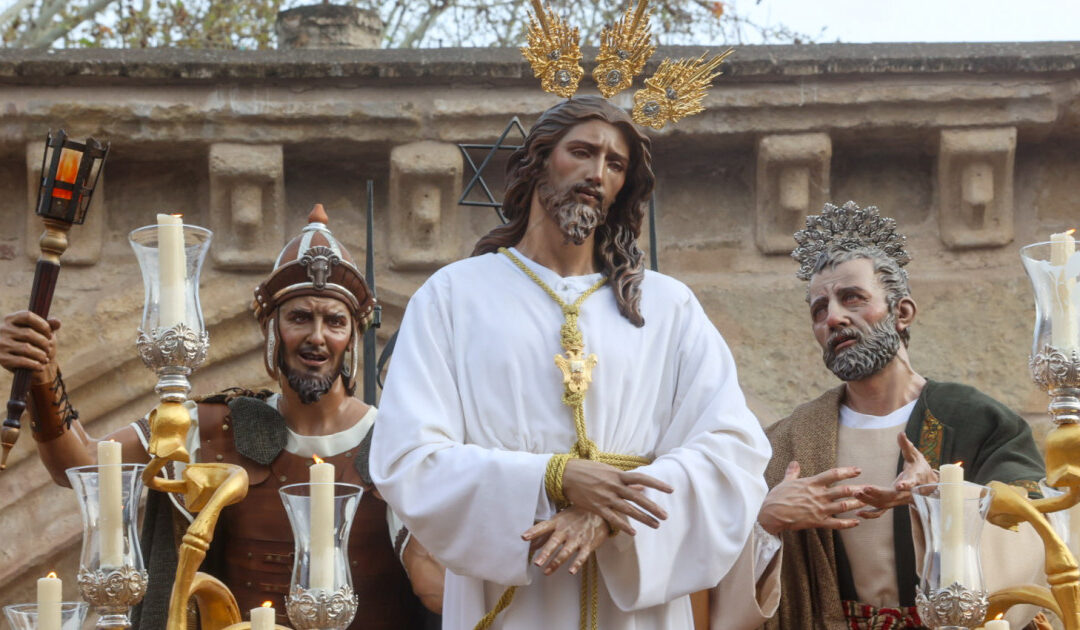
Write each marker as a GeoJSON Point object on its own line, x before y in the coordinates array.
{"type": "Point", "coordinates": [477, 178]}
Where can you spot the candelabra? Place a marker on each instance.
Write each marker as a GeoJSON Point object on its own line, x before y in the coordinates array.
{"type": "Point", "coordinates": [111, 575]}
{"type": "Point", "coordinates": [173, 342]}
{"type": "Point", "coordinates": [1053, 268]}
{"type": "Point", "coordinates": [951, 591]}
{"type": "Point", "coordinates": [320, 592]}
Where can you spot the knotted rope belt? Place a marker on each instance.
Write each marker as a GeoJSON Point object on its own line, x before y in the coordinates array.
{"type": "Point", "coordinates": [576, 371]}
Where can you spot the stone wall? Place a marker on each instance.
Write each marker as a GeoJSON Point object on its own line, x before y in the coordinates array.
{"type": "Point", "coordinates": [973, 148]}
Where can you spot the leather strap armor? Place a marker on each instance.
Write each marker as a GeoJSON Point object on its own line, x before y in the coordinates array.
{"type": "Point", "coordinates": [50, 410]}
{"type": "Point", "coordinates": [255, 543]}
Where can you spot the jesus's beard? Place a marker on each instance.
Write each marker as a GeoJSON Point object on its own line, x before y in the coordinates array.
{"type": "Point", "coordinates": [576, 220]}
{"type": "Point", "coordinates": [872, 350]}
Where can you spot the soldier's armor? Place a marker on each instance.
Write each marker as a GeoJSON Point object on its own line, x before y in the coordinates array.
{"type": "Point", "coordinates": [253, 542]}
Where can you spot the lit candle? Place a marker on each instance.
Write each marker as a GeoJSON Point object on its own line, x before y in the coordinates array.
{"type": "Point", "coordinates": [171, 270]}
{"type": "Point", "coordinates": [262, 618]}
{"type": "Point", "coordinates": [322, 525]}
{"type": "Point", "coordinates": [997, 624]}
{"type": "Point", "coordinates": [1064, 335]}
{"type": "Point", "coordinates": [111, 504]}
{"type": "Point", "coordinates": [952, 524]}
{"type": "Point", "coordinates": [48, 602]}
{"type": "Point", "coordinates": [66, 172]}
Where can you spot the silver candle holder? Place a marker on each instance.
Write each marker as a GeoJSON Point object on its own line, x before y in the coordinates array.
{"type": "Point", "coordinates": [951, 592]}
{"type": "Point", "coordinates": [112, 577]}
{"type": "Point", "coordinates": [1055, 350]}
{"type": "Point", "coordinates": [172, 339]}
{"type": "Point", "coordinates": [25, 616]}
{"type": "Point", "coordinates": [321, 598]}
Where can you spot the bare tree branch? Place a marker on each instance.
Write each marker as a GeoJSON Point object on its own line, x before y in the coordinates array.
{"type": "Point", "coordinates": [51, 35]}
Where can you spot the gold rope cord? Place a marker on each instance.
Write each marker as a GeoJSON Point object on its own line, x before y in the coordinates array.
{"type": "Point", "coordinates": [576, 369]}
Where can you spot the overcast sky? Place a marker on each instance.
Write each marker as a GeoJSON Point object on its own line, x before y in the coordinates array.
{"type": "Point", "coordinates": [920, 20]}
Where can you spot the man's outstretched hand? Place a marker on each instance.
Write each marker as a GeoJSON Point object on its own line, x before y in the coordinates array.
{"type": "Point", "coordinates": [810, 502]}
{"type": "Point", "coordinates": [916, 472]}
{"type": "Point", "coordinates": [612, 494]}
{"type": "Point", "coordinates": [575, 530]}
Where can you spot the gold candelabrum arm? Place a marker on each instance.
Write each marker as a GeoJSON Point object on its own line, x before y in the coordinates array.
{"type": "Point", "coordinates": [207, 489]}
{"type": "Point", "coordinates": [1008, 508]}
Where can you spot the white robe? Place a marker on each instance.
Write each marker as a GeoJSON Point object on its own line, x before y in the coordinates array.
{"type": "Point", "coordinates": [472, 412]}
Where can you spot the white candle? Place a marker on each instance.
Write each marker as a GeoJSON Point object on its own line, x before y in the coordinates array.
{"type": "Point", "coordinates": [49, 590]}
{"type": "Point", "coordinates": [322, 526]}
{"type": "Point", "coordinates": [952, 524]}
{"type": "Point", "coordinates": [996, 624]}
{"type": "Point", "coordinates": [172, 270]}
{"type": "Point", "coordinates": [262, 618]}
{"type": "Point", "coordinates": [1064, 335]}
{"type": "Point", "coordinates": [111, 504]}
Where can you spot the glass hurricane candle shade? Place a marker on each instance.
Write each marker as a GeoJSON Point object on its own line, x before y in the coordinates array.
{"type": "Point", "coordinates": [320, 592]}
{"type": "Point", "coordinates": [1054, 272]}
{"type": "Point", "coordinates": [111, 575]}
{"type": "Point", "coordinates": [25, 616]}
{"type": "Point", "coordinates": [951, 589]}
{"type": "Point", "coordinates": [172, 338]}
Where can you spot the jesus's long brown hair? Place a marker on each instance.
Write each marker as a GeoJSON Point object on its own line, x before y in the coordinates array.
{"type": "Point", "coordinates": [617, 253]}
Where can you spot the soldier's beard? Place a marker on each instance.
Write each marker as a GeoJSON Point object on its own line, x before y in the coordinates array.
{"type": "Point", "coordinates": [872, 350]}
{"type": "Point", "coordinates": [576, 220]}
{"type": "Point", "coordinates": [309, 386]}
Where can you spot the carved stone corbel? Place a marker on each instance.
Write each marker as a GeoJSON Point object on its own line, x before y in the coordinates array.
{"type": "Point", "coordinates": [247, 204]}
{"type": "Point", "coordinates": [975, 187]}
{"type": "Point", "coordinates": [792, 180]}
{"type": "Point", "coordinates": [426, 227]}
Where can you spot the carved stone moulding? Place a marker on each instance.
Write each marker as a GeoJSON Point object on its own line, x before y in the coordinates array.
{"type": "Point", "coordinates": [975, 187]}
{"type": "Point", "coordinates": [954, 605]}
{"type": "Point", "coordinates": [792, 179]}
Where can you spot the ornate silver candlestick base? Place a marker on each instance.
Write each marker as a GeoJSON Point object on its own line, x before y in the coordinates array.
{"type": "Point", "coordinates": [112, 592]}
{"type": "Point", "coordinates": [173, 354]}
{"type": "Point", "coordinates": [318, 609]}
{"type": "Point", "coordinates": [1058, 373]}
{"type": "Point", "coordinates": [954, 606]}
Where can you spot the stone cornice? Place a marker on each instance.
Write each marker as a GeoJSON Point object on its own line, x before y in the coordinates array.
{"type": "Point", "coordinates": [504, 66]}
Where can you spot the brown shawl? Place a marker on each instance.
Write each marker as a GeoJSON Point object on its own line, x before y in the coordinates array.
{"type": "Point", "coordinates": [808, 436]}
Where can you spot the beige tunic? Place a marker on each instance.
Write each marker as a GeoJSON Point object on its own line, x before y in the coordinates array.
{"type": "Point", "coordinates": [870, 546]}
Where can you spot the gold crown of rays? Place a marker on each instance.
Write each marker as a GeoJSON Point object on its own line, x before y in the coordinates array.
{"type": "Point", "coordinates": [672, 93]}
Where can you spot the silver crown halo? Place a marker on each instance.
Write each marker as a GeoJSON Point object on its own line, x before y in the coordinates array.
{"type": "Point", "coordinates": [847, 228]}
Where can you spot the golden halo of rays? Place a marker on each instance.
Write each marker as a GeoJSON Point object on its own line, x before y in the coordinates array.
{"type": "Point", "coordinates": [553, 52]}
{"type": "Point", "coordinates": [676, 90]}
{"type": "Point", "coordinates": [624, 49]}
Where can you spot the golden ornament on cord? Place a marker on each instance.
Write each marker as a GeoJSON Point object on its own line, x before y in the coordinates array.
{"type": "Point", "coordinates": [553, 52]}
{"type": "Point", "coordinates": [676, 90]}
{"type": "Point", "coordinates": [624, 49]}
